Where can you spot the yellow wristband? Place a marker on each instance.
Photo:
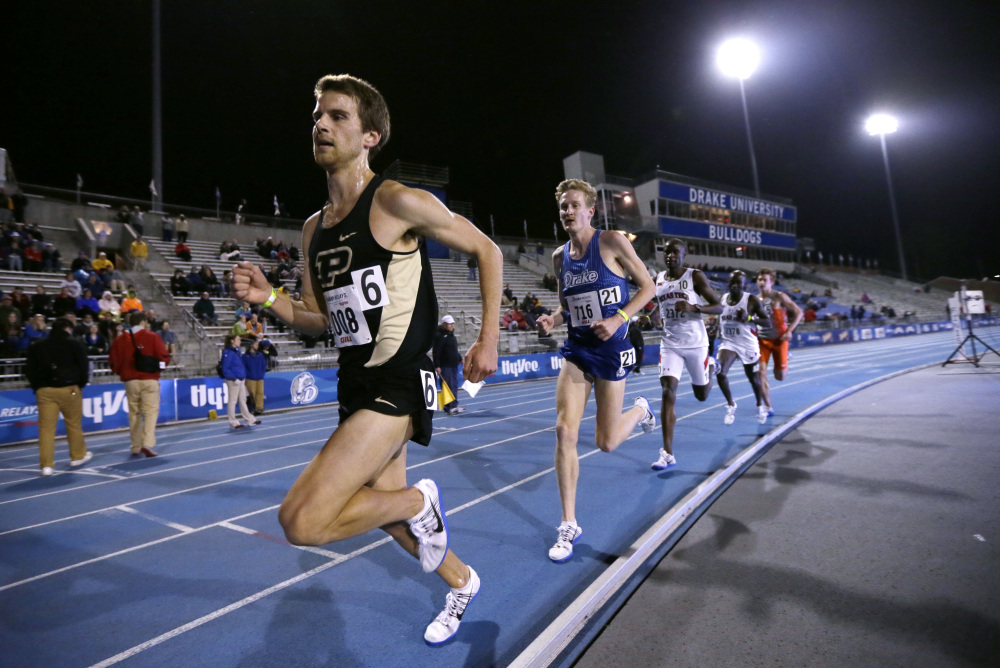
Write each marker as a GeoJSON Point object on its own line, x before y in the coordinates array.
{"type": "Point", "coordinates": [270, 300]}
{"type": "Point", "coordinates": [623, 314]}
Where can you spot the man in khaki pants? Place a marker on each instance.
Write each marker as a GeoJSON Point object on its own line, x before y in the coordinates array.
{"type": "Point", "coordinates": [142, 387]}
{"type": "Point", "coordinates": [57, 369]}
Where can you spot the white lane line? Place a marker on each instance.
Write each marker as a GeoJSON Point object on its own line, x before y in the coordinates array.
{"type": "Point", "coordinates": [153, 518]}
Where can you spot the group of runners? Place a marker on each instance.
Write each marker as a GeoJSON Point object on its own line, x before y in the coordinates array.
{"type": "Point", "coordinates": [368, 281]}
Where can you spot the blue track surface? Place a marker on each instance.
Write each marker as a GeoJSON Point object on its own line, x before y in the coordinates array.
{"type": "Point", "coordinates": [179, 560]}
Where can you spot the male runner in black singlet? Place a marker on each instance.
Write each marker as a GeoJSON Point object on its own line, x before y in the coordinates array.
{"type": "Point", "coordinates": [368, 280]}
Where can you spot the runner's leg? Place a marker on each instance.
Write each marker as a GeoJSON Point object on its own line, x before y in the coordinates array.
{"type": "Point", "coordinates": [572, 392]}
{"type": "Point", "coordinates": [613, 426]}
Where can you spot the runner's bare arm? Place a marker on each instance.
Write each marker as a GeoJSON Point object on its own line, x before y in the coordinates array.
{"type": "Point", "coordinates": [428, 217]}
{"type": "Point", "coordinates": [705, 291]}
{"type": "Point", "coordinates": [546, 323]}
{"type": "Point", "coordinates": [755, 308]}
{"type": "Point", "coordinates": [789, 305]}
{"type": "Point", "coordinates": [307, 315]}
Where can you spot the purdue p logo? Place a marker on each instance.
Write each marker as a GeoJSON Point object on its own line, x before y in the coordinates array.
{"type": "Point", "coordinates": [332, 263]}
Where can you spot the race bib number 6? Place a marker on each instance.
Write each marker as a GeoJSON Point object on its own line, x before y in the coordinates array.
{"type": "Point", "coordinates": [429, 383]}
{"type": "Point", "coordinates": [348, 303]}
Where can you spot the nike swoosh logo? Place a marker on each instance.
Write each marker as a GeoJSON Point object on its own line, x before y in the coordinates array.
{"type": "Point", "coordinates": [383, 401]}
{"type": "Point", "coordinates": [437, 516]}
{"type": "Point", "coordinates": [345, 236]}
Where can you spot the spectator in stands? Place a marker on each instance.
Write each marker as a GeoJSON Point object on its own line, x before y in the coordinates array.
{"type": "Point", "coordinates": [293, 253]}
{"type": "Point", "coordinates": [229, 251]}
{"type": "Point", "coordinates": [244, 310]}
{"type": "Point", "coordinates": [550, 282]}
{"type": "Point", "coordinates": [179, 285]}
{"type": "Point", "coordinates": [82, 325]}
{"type": "Point", "coordinates": [865, 299]}
{"type": "Point", "coordinates": [87, 305]}
{"type": "Point", "coordinates": [71, 285]}
{"type": "Point", "coordinates": [15, 259]}
{"type": "Point", "coordinates": [152, 319]}
{"type": "Point", "coordinates": [167, 228]}
{"type": "Point", "coordinates": [472, 264]}
{"type": "Point", "coordinates": [33, 256]}
{"type": "Point", "coordinates": [16, 342]}
{"type": "Point", "coordinates": [204, 310]}
{"type": "Point", "coordinates": [95, 342]}
{"type": "Point", "coordinates": [183, 226]}
{"type": "Point", "coordinates": [41, 302]}
{"type": "Point", "coordinates": [227, 276]}
{"type": "Point", "coordinates": [514, 319]}
{"type": "Point", "coordinates": [194, 280]}
{"type": "Point", "coordinates": [139, 251]}
{"type": "Point", "coordinates": [81, 261]}
{"type": "Point", "coordinates": [241, 212]}
{"type": "Point", "coordinates": [235, 375]}
{"type": "Point", "coordinates": [446, 360]}
{"type": "Point", "coordinates": [131, 303]}
{"type": "Point", "coordinates": [508, 298]}
{"type": "Point", "coordinates": [136, 219]}
{"type": "Point", "coordinates": [123, 214]}
{"type": "Point", "coordinates": [36, 329]}
{"type": "Point", "coordinates": [7, 309]}
{"type": "Point", "coordinates": [210, 281]}
{"type": "Point", "coordinates": [21, 302]}
{"type": "Point", "coordinates": [51, 258]}
{"type": "Point", "coordinates": [255, 328]}
{"type": "Point", "coordinates": [270, 351]}
{"type": "Point", "coordinates": [240, 329]}
{"type": "Point", "coordinates": [108, 304]}
{"type": "Point", "coordinates": [64, 303]}
{"type": "Point", "coordinates": [854, 313]}
{"type": "Point", "coordinates": [255, 363]}
{"type": "Point", "coordinates": [810, 314]}
{"type": "Point", "coordinates": [95, 284]}
{"type": "Point", "coordinates": [168, 336]}
{"type": "Point", "coordinates": [182, 251]}
{"type": "Point", "coordinates": [102, 263]}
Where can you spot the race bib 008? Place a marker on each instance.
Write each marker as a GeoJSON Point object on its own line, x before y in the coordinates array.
{"type": "Point", "coordinates": [347, 304]}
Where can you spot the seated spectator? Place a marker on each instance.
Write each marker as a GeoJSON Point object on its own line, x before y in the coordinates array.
{"type": "Point", "coordinates": [182, 251]}
{"type": "Point", "coordinates": [15, 255]}
{"type": "Point", "coordinates": [255, 327]}
{"type": "Point", "coordinates": [194, 280]}
{"type": "Point", "coordinates": [865, 299]}
{"type": "Point", "coordinates": [7, 309]}
{"type": "Point", "coordinates": [810, 315]}
{"type": "Point", "coordinates": [94, 341]}
{"type": "Point", "coordinates": [244, 310]}
{"type": "Point", "coordinates": [87, 305]}
{"type": "Point", "coordinates": [293, 253]}
{"type": "Point", "coordinates": [70, 284]}
{"type": "Point", "coordinates": [102, 263]}
{"type": "Point", "coordinates": [179, 285]}
{"type": "Point", "coordinates": [108, 304]}
{"type": "Point", "coordinates": [508, 299]}
{"type": "Point", "coordinates": [271, 351]}
{"type": "Point", "coordinates": [153, 321]}
{"type": "Point", "coordinates": [210, 281]}
{"type": "Point", "coordinates": [81, 261]}
{"type": "Point", "coordinates": [64, 303]}
{"type": "Point", "coordinates": [169, 337]}
{"type": "Point", "coordinates": [94, 283]}
{"type": "Point", "coordinates": [229, 251]}
{"type": "Point", "coordinates": [36, 329]}
{"type": "Point", "coordinates": [514, 319]}
{"type": "Point", "coordinates": [82, 325]}
{"type": "Point", "coordinates": [227, 277]}
{"type": "Point", "coordinates": [204, 310]}
{"type": "Point", "coordinates": [33, 256]}
{"type": "Point", "coordinates": [41, 302]}
{"type": "Point", "coordinates": [240, 328]}
{"type": "Point", "coordinates": [13, 343]}
{"type": "Point", "coordinates": [131, 303]}
{"type": "Point", "coordinates": [51, 258]}
{"type": "Point", "coordinates": [21, 302]}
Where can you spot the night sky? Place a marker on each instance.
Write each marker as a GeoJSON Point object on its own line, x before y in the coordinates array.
{"type": "Point", "coordinates": [502, 95]}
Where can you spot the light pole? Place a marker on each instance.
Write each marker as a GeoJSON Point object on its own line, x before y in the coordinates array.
{"type": "Point", "coordinates": [739, 58]}
{"type": "Point", "coordinates": [881, 125]}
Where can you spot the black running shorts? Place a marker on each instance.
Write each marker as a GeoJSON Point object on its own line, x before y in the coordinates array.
{"type": "Point", "coordinates": [395, 391]}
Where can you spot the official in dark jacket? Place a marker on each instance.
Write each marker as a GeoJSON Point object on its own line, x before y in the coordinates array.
{"type": "Point", "coordinates": [58, 370]}
{"type": "Point", "coordinates": [447, 359]}
{"type": "Point", "coordinates": [255, 363]}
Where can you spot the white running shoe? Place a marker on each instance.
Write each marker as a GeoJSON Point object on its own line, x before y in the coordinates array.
{"type": "Point", "coordinates": [665, 461]}
{"type": "Point", "coordinates": [445, 625]}
{"type": "Point", "coordinates": [47, 470]}
{"type": "Point", "coordinates": [762, 413]}
{"type": "Point", "coordinates": [563, 549]}
{"type": "Point", "coordinates": [430, 527]}
{"type": "Point", "coordinates": [713, 367]}
{"type": "Point", "coordinates": [648, 423]}
{"type": "Point", "coordinates": [730, 414]}
{"type": "Point", "coordinates": [82, 460]}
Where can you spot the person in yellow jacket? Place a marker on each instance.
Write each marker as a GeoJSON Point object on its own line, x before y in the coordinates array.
{"type": "Point", "coordinates": [139, 252]}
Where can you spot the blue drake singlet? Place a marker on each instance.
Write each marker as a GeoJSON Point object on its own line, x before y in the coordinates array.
{"type": "Point", "coordinates": [593, 292]}
{"type": "Point", "coordinates": [382, 306]}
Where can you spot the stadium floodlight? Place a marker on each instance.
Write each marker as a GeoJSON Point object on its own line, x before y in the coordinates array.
{"type": "Point", "coordinates": [881, 125]}
{"type": "Point", "coordinates": [739, 58]}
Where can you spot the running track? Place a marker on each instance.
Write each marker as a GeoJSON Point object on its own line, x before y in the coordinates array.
{"type": "Point", "coordinates": [179, 560]}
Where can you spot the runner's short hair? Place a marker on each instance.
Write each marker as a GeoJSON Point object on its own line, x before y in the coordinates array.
{"type": "Point", "coordinates": [589, 192]}
{"type": "Point", "coordinates": [372, 109]}
{"type": "Point", "coordinates": [767, 271]}
{"type": "Point", "coordinates": [675, 242]}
